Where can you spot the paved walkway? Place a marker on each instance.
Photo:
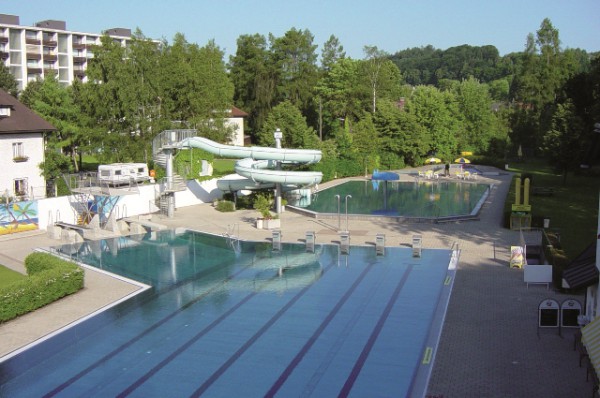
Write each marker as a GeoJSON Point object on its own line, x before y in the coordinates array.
{"type": "Point", "coordinates": [489, 345]}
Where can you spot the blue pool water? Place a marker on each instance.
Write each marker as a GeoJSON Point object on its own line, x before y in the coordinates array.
{"type": "Point", "coordinates": [428, 199]}
{"type": "Point", "coordinates": [225, 320]}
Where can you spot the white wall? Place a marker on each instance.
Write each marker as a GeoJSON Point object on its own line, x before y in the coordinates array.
{"type": "Point", "coordinates": [33, 147]}
{"type": "Point", "coordinates": [198, 193]}
{"type": "Point", "coordinates": [237, 138]}
{"type": "Point", "coordinates": [63, 208]}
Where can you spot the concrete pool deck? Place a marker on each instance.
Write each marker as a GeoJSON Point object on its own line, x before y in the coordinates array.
{"type": "Point", "coordinates": [489, 345]}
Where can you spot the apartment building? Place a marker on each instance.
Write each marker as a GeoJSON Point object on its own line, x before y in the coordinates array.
{"type": "Point", "coordinates": [32, 52]}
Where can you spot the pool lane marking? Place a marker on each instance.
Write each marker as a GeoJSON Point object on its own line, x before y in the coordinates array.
{"type": "Point", "coordinates": [193, 340]}
{"type": "Point", "coordinates": [427, 356]}
{"type": "Point", "coordinates": [374, 335]}
{"type": "Point", "coordinates": [307, 346]}
{"type": "Point", "coordinates": [232, 359]}
{"type": "Point", "coordinates": [159, 323]}
{"type": "Point", "coordinates": [340, 339]}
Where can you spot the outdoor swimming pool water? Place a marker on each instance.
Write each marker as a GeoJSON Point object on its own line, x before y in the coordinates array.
{"type": "Point", "coordinates": [423, 199]}
{"type": "Point", "coordinates": [227, 319]}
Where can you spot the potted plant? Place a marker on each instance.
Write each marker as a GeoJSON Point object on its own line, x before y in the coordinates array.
{"type": "Point", "coordinates": [266, 220]}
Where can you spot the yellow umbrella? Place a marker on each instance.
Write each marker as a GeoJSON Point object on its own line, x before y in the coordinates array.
{"type": "Point", "coordinates": [462, 160]}
{"type": "Point", "coordinates": [434, 160]}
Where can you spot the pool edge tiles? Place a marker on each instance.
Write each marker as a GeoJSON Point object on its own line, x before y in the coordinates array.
{"type": "Point", "coordinates": [421, 379]}
{"type": "Point", "coordinates": [444, 202]}
{"type": "Point", "coordinates": [141, 288]}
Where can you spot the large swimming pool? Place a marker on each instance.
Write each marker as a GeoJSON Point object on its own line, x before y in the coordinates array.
{"type": "Point", "coordinates": [418, 199]}
{"type": "Point", "coordinates": [228, 318]}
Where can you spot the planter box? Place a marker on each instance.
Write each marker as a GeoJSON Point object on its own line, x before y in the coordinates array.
{"type": "Point", "coordinates": [274, 223]}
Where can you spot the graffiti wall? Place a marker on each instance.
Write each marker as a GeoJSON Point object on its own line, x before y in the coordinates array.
{"type": "Point", "coordinates": [18, 217]}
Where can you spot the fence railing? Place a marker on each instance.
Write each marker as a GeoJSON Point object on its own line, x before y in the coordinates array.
{"type": "Point", "coordinates": [170, 138]}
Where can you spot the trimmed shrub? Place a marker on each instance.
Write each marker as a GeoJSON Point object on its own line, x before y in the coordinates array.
{"type": "Point", "coordinates": [225, 206]}
{"type": "Point", "coordinates": [50, 278]}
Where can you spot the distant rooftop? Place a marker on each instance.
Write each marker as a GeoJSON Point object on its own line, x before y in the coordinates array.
{"type": "Point", "coordinates": [7, 19]}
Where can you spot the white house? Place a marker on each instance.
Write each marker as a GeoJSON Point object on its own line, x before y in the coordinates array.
{"type": "Point", "coordinates": [235, 119]}
{"type": "Point", "coordinates": [21, 150]}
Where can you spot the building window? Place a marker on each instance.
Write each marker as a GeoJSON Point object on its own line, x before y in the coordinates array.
{"type": "Point", "coordinates": [21, 187]}
{"type": "Point", "coordinates": [19, 152]}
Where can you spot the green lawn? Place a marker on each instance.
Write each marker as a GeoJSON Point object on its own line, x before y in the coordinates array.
{"type": "Point", "coordinates": [223, 167]}
{"type": "Point", "coordinates": [572, 209]}
{"type": "Point", "coordinates": [7, 276]}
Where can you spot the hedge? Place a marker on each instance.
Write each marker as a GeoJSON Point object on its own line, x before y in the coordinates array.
{"type": "Point", "coordinates": [50, 278]}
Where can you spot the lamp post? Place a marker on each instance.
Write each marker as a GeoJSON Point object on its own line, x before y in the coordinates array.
{"type": "Point", "coordinates": [278, 136]}
{"type": "Point", "coordinates": [339, 216]}
{"type": "Point", "coordinates": [347, 197]}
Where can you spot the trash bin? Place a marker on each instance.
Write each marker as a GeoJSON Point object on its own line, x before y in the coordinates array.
{"type": "Point", "coordinates": [546, 223]}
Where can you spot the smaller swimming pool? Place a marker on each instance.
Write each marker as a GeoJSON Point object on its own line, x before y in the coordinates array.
{"type": "Point", "coordinates": [419, 199]}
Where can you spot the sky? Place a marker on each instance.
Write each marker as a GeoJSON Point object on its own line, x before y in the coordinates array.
{"type": "Point", "coordinates": [390, 25]}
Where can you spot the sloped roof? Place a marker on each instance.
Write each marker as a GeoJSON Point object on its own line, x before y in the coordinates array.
{"type": "Point", "coordinates": [21, 119]}
{"type": "Point", "coordinates": [236, 112]}
{"type": "Point", "coordinates": [582, 271]}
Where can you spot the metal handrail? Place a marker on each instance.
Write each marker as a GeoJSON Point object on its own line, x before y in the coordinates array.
{"type": "Point", "coordinates": [171, 138]}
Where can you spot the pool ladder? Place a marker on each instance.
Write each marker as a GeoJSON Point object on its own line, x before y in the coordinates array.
{"type": "Point", "coordinates": [455, 251]}
{"type": "Point", "coordinates": [233, 239]}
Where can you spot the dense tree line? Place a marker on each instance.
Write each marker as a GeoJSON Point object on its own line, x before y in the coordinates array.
{"type": "Point", "coordinates": [382, 111]}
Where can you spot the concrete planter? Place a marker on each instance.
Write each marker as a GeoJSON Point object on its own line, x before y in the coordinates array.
{"type": "Point", "coordinates": [273, 223]}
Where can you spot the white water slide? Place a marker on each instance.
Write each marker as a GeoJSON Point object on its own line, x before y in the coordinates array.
{"type": "Point", "coordinates": [258, 167]}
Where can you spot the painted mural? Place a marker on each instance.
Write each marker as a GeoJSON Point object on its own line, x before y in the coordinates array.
{"type": "Point", "coordinates": [18, 217]}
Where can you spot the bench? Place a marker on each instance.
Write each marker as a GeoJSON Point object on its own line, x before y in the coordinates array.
{"type": "Point", "coordinates": [543, 191]}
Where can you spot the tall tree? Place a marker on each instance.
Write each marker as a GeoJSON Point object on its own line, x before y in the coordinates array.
{"type": "Point", "coordinates": [295, 58]}
{"type": "Point", "coordinates": [54, 102]}
{"type": "Point", "coordinates": [296, 133]}
{"type": "Point", "coordinates": [375, 59]}
{"type": "Point", "coordinates": [8, 82]}
{"type": "Point", "coordinates": [196, 87]}
{"type": "Point", "coordinates": [436, 112]}
{"type": "Point", "coordinates": [214, 92]}
{"type": "Point", "coordinates": [331, 53]}
{"type": "Point", "coordinates": [562, 143]}
{"type": "Point", "coordinates": [254, 79]}
{"type": "Point", "coordinates": [475, 111]}
{"type": "Point", "coordinates": [403, 140]}
{"type": "Point", "coordinates": [342, 93]}
{"type": "Point", "coordinates": [106, 100]}
{"type": "Point", "coordinates": [365, 143]}
{"type": "Point", "coordinates": [542, 75]}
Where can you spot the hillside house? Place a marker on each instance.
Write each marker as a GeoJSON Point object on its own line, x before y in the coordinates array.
{"type": "Point", "coordinates": [235, 119]}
